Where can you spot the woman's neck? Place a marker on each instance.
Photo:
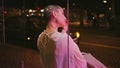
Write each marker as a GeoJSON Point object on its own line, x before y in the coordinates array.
{"type": "Point", "coordinates": [52, 27]}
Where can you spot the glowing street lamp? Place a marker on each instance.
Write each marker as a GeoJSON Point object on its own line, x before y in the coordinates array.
{"type": "Point", "coordinates": [110, 8]}
{"type": "Point", "coordinates": [105, 1]}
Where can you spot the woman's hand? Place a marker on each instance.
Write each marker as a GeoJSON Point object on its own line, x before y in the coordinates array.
{"type": "Point", "coordinates": [65, 27]}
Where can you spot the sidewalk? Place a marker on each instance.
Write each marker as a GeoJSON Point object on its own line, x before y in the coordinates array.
{"type": "Point", "coordinates": [12, 56]}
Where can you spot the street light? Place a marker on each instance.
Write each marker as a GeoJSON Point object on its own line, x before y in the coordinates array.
{"type": "Point", "coordinates": [110, 8]}
{"type": "Point", "coordinates": [3, 21]}
{"type": "Point", "coordinates": [104, 1]}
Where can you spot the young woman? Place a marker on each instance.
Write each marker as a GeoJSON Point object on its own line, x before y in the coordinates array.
{"type": "Point", "coordinates": [55, 49]}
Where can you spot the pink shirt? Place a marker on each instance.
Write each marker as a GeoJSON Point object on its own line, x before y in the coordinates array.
{"type": "Point", "coordinates": [57, 52]}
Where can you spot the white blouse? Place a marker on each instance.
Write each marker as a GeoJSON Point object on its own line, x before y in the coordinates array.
{"type": "Point", "coordinates": [58, 50]}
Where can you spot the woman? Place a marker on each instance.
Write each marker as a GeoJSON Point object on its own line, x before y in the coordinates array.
{"type": "Point", "coordinates": [55, 49]}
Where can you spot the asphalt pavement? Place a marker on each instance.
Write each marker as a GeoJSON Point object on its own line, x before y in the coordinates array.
{"type": "Point", "coordinates": [101, 36]}
{"type": "Point", "coordinates": [103, 44]}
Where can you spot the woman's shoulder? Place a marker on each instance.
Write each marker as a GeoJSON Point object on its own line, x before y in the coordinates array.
{"type": "Point", "coordinates": [59, 36]}
{"type": "Point", "coordinates": [54, 35]}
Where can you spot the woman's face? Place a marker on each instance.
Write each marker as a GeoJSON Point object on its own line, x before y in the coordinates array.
{"type": "Point", "coordinates": [60, 18]}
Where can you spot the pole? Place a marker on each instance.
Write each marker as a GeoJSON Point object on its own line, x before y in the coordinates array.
{"type": "Point", "coordinates": [68, 30]}
{"type": "Point", "coordinates": [3, 21]}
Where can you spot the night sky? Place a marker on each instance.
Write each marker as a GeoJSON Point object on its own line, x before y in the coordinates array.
{"type": "Point", "coordinates": [32, 3]}
{"type": "Point", "coordinates": [42, 3]}
{"type": "Point", "coordinates": [86, 4]}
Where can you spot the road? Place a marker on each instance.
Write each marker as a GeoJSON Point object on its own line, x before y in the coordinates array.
{"type": "Point", "coordinates": [103, 37]}
{"type": "Point", "coordinates": [109, 56]}
{"type": "Point", "coordinates": [104, 47]}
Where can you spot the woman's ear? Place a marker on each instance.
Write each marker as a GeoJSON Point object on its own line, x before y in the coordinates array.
{"type": "Point", "coordinates": [54, 14]}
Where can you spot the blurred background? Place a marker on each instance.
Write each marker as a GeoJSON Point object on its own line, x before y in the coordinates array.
{"type": "Point", "coordinates": [93, 24]}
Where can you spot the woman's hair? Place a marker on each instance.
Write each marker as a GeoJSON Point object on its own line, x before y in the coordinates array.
{"type": "Point", "coordinates": [49, 9]}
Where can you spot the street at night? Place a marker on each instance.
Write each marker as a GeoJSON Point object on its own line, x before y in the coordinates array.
{"type": "Point", "coordinates": [94, 26]}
